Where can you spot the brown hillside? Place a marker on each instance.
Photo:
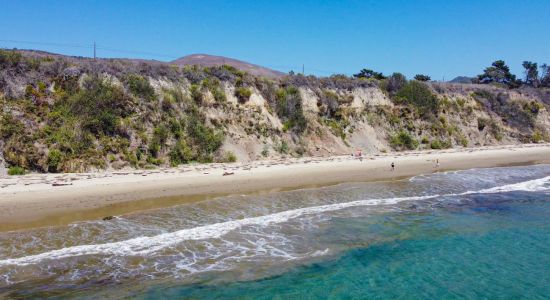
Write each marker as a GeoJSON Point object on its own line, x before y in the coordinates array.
{"type": "Point", "coordinates": [206, 60]}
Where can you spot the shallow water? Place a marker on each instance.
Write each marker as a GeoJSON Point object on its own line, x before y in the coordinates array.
{"type": "Point", "coordinates": [475, 233]}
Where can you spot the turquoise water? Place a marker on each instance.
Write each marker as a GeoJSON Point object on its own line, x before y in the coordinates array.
{"type": "Point", "coordinates": [501, 251]}
{"type": "Point", "coordinates": [472, 234]}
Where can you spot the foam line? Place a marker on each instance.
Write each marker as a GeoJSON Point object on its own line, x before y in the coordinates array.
{"type": "Point", "coordinates": [534, 185]}
{"type": "Point", "coordinates": [147, 245]}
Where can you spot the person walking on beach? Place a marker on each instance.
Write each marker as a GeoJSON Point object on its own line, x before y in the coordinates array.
{"type": "Point", "coordinates": [392, 166]}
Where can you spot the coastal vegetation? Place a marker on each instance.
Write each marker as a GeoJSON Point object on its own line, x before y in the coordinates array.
{"type": "Point", "coordinates": [67, 114]}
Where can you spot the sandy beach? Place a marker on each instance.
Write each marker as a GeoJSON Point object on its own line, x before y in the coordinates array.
{"type": "Point", "coordinates": [53, 199]}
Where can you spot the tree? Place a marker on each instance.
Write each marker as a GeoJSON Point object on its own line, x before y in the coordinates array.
{"type": "Point", "coordinates": [368, 73]}
{"type": "Point", "coordinates": [545, 75]}
{"type": "Point", "coordinates": [498, 72]}
{"type": "Point", "coordinates": [421, 77]}
{"type": "Point", "coordinates": [395, 82]}
{"type": "Point", "coordinates": [531, 73]}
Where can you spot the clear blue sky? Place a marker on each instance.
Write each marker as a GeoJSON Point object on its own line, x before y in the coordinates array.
{"type": "Point", "coordinates": [439, 38]}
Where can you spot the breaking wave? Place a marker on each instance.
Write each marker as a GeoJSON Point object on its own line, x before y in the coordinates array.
{"type": "Point", "coordinates": [143, 246]}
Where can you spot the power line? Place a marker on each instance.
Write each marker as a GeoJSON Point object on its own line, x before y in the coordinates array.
{"type": "Point", "coordinates": [94, 47]}
{"type": "Point", "coordinates": [48, 44]}
{"type": "Point", "coordinates": [137, 52]}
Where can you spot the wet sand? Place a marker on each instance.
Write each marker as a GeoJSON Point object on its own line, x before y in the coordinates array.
{"type": "Point", "coordinates": [53, 199]}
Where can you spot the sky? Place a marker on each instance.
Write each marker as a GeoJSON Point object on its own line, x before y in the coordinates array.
{"type": "Point", "coordinates": [442, 39]}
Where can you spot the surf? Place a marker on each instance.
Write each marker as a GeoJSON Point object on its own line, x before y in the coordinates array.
{"type": "Point", "coordinates": [143, 246]}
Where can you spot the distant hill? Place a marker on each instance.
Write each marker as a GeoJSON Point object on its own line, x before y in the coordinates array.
{"type": "Point", "coordinates": [461, 79]}
{"type": "Point", "coordinates": [206, 60]}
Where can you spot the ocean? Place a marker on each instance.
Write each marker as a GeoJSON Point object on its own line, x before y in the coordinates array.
{"type": "Point", "coordinates": [480, 233]}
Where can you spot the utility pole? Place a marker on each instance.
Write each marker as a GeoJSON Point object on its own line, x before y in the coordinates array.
{"type": "Point", "coordinates": [94, 50]}
{"type": "Point", "coordinates": [303, 69]}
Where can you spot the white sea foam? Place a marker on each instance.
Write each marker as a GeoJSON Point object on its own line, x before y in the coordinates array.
{"type": "Point", "coordinates": [534, 185]}
{"type": "Point", "coordinates": [146, 245]}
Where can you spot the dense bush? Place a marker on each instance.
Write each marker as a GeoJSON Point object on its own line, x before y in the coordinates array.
{"type": "Point", "coordinates": [440, 144]}
{"type": "Point", "coordinates": [206, 140]}
{"type": "Point", "coordinates": [181, 153]}
{"type": "Point", "coordinates": [420, 96]}
{"type": "Point", "coordinates": [10, 59]}
{"type": "Point", "coordinates": [9, 126]}
{"type": "Point", "coordinates": [242, 94]}
{"type": "Point", "coordinates": [282, 147]}
{"type": "Point", "coordinates": [140, 87]}
{"type": "Point", "coordinates": [537, 137]}
{"type": "Point", "coordinates": [228, 157]}
{"type": "Point", "coordinates": [99, 105]}
{"type": "Point", "coordinates": [214, 86]}
{"type": "Point", "coordinates": [289, 108]}
{"type": "Point", "coordinates": [495, 130]}
{"type": "Point", "coordinates": [395, 82]}
{"type": "Point", "coordinates": [54, 160]}
{"type": "Point", "coordinates": [403, 140]}
{"type": "Point", "coordinates": [16, 171]}
{"type": "Point", "coordinates": [196, 94]}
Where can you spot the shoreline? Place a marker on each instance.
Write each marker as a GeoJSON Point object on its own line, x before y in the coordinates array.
{"type": "Point", "coordinates": [38, 200]}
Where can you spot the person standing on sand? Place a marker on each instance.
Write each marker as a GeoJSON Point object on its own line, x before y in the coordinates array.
{"type": "Point", "coordinates": [392, 166]}
{"type": "Point", "coordinates": [437, 163]}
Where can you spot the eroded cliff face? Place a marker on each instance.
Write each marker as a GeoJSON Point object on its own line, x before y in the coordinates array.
{"type": "Point", "coordinates": [370, 120]}
{"type": "Point", "coordinates": [69, 114]}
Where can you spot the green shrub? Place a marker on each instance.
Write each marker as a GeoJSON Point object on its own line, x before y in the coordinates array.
{"type": "Point", "coordinates": [154, 161]}
{"type": "Point", "coordinates": [495, 130]}
{"type": "Point", "coordinates": [140, 87]}
{"type": "Point", "coordinates": [219, 95]}
{"type": "Point", "coordinates": [99, 106]}
{"type": "Point", "coordinates": [439, 144]}
{"type": "Point", "coordinates": [196, 94]}
{"type": "Point", "coordinates": [481, 123]}
{"type": "Point", "coordinates": [162, 133]}
{"type": "Point", "coordinates": [243, 94]}
{"type": "Point", "coordinates": [10, 126]}
{"type": "Point", "coordinates": [289, 107]}
{"type": "Point", "coordinates": [419, 95]}
{"type": "Point", "coordinates": [16, 171]}
{"type": "Point", "coordinates": [154, 147]}
{"type": "Point", "coordinates": [461, 102]}
{"type": "Point", "coordinates": [54, 160]}
{"type": "Point", "coordinates": [532, 109]}
{"type": "Point", "coordinates": [229, 157]}
{"type": "Point", "coordinates": [175, 127]}
{"type": "Point", "coordinates": [181, 153]}
{"type": "Point", "coordinates": [537, 137]}
{"type": "Point", "coordinates": [338, 128]}
{"type": "Point", "coordinates": [403, 140]}
{"type": "Point", "coordinates": [9, 59]}
{"type": "Point", "coordinates": [282, 148]}
{"type": "Point", "coordinates": [463, 141]}
{"type": "Point", "coordinates": [205, 139]}
{"type": "Point", "coordinates": [133, 159]}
